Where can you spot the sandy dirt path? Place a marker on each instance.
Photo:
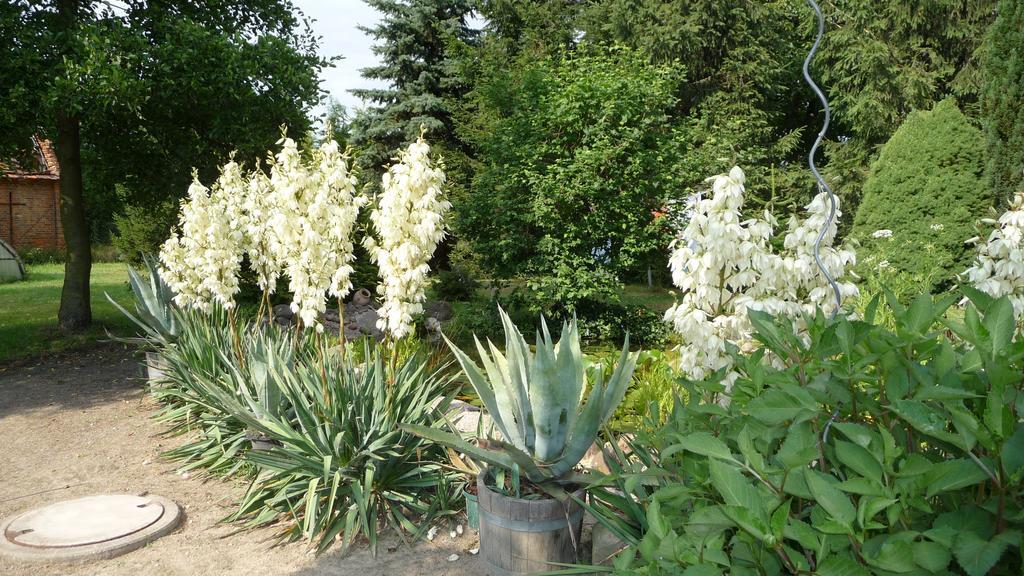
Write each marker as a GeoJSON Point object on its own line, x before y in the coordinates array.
{"type": "Point", "coordinates": [80, 423]}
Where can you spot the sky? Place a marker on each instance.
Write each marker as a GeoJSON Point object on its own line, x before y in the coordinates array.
{"type": "Point", "coordinates": [336, 22]}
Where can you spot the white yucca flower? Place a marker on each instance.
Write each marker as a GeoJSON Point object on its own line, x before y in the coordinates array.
{"type": "Point", "coordinates": [725, 267]}
{"type": "Point", "coordinates": [258, 204]}
{"type": "Point", "coordinates": [201, 262]}
{"type": "Point", "coordinates": [297, 221]}
{"type": "Point", "coordinates": [313, 209]}
{"type": "Point", "coordinates": [999, 268]}
{"type": "Point", "coordinates": [409, 224]}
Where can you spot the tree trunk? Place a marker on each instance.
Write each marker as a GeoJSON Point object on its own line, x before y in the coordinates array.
{"type": "Point", "coordinates": [75, 310]}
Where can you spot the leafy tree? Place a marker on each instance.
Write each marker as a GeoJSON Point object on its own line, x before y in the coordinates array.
{"type": "Point", "coordinates": [577, 156]}
{"type": "Point", "coordinates": [1003, 99]}
{"type": "Point", "coordinates": [138, 92]}
{"type": "Point", "coordinates": [743, 91]}
{"type": "Point", "coordinates": [927, 188]}
{"type": "Point", "coordinates": [412, 43]}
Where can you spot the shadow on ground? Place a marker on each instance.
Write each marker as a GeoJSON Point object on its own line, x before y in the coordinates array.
{"type": "Point", "coordinates": [69, 381]}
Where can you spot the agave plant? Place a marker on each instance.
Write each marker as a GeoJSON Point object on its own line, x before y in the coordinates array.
{"type": "Point", "coordinates": [155, 313]}
{"type": "Point", "coordinates": [537, 403]}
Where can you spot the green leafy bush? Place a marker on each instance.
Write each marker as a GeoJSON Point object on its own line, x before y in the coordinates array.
{"type": "Point", "coordinates": [575, 152]}
{"type": "Point", "coordinates": [456, 284]}
{"type": "Point", "coordinates": [141, 229]}
{"type": "Point", "coordinates": [41, 256]}
{"type": "Point", "coordinates": [656, 383]}
{"type": "Point", "coordinates": [860, 451]}
{"type": "Point", "coordinates": [927, 189]}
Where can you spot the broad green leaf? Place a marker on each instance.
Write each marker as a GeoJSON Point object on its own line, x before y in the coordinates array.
{"type": "Point", "coordinates": [860, 460]}
{"type": "Point", "coordinates": [967, 519]}
{"type": "Point", "coordinates": [931, 556]}
{"type": "Point", "coordinates": [831, 498]}
{"type": "Point", "coordinates": [702, 570]}
{"type": "Point", "coordinates": [976, 555]}
{"type": "Point", "coordinates": [706, 445]}
{"type": "Point", "coordinates": [1000, 323]}
{"type": "Point", "coordinates": [774, 407]}
{"type": "Point", "coordinates": [799, 448]}
{"type": "Point", "coordinates": [926, 420]}
{"type": "Point", "coordinates": [841, 565]}
{"type": "Point", "coordinates": [920, 315]}
{"type": "Point", "coordinates": [1012, 454]}
{"type": "Point", "coordinates": [895, 555]}
{"type": "Point", "coordinates": [858, 433]}
{"type": "Point", "coordinates": [734, 487]}
{"type": "Point", "coordinates": [751, 523]}
{"type": "Point", "coordinates": [953, 475]}
{"type": "Point", "coordinates": [746, 445]}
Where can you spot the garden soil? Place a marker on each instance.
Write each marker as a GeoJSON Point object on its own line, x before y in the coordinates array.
{"type": "Point", "coordinates": [80, 423]}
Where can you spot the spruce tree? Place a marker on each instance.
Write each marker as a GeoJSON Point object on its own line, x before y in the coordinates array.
{"type": "Point", "coordinates": [927, 188]}
{"type": "Point", "coordinates": [412, 41]}
{"type": "Point", "coordinates": [1003, 100]}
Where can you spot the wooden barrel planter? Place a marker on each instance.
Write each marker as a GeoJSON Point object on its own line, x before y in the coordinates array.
{"type": "Point", "coordinates": [525, 536]}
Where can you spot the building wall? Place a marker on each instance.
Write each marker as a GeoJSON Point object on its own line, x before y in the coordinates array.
{"type": "Point", "coordinates": [30, 212]}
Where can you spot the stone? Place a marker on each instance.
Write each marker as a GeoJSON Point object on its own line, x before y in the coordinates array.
{"type": "Point", "coordinates": [605, 545]}
{"type": "Point", "coordinates": [88, 528]}
{"type": "Point", "coordinates": [438, 309]}
{"type": "Point", "coordinates": [594, 459]}
{"type": "Point", "coordinates": [283, 311]}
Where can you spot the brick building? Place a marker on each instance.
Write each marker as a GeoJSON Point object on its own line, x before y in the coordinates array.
{"type": "Point", "coordinates": [30, 200]}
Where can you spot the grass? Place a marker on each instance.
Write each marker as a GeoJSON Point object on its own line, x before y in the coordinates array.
{"type": "Point", "coordinates": [28, 310]}
{"type": "Point", "coordinates": [656, 299]}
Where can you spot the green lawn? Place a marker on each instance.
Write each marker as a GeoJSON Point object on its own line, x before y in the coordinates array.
{"type": "Point", "coordinates": [28, 310]}
{"type": "Point", "coordinates": [655, 299]}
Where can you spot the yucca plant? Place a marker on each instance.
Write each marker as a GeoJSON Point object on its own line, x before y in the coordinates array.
{"type": "Point", "coordinates": [343, 467]}
{"type": "Point", "coordinates": [202, 357]}
{"type": "Point", "coordinates": [205, 358]}
{"type": "Point", "coordinates": [155, 312]}
{"type": "Point", "coordinates": [537, 403]}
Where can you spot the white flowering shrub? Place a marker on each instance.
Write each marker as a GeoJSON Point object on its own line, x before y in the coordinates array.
{"type": "Point", "coordinates": [724, 265]}
{"type": "Point", "coordinates": [998, 269]}
{"type": "Point", "coordinates": [313, 209]}
{"type": "Point", "coordinates": [409, 224]}
{"type": "Point", "coordinates": [201, 263]}
{"type": "Point", "coordinates": [297, 221]}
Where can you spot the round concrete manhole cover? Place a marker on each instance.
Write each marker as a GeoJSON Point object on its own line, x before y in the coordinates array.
{"type": "Point", "coordinates": [88, 528]}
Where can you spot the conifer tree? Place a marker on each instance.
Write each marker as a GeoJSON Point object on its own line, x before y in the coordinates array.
{"type": "Point", "coordinates": [1003, 100]}
{"type": "Point", "coordinates": [412, 41]}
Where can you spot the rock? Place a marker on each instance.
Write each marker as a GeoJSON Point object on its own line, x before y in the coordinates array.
{"type": "Point", "coordinates": [594, 460]}
{"type": "Point", "coordinates": [438, 309]}
{"type": "Point", "coordinates": [283, 311]}
{"type": "Point", "coordinates": [365, 320]}
{"type": "Point", "coordinates": [605, 545]}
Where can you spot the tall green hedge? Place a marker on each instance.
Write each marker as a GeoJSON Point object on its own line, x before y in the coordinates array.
{"type": "Point", "coordinates": [1003, 99]}
{"type": "Point", "coordinates": [928, 188]}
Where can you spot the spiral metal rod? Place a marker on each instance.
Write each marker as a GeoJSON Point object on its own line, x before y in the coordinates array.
{"type": "Point", "coordinates": [810, 159]}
